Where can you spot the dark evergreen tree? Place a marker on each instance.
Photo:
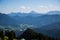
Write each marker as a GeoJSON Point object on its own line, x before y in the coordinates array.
{"type": "Point", "coordinates": [10, 34]}
{"type": "Point", "coordinates": [1, 34]}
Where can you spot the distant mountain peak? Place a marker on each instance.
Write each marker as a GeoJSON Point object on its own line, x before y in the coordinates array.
{"type": "Point", "coordinates": [33, 12]}
{"type": "Point", "coordinates": [53, 12]}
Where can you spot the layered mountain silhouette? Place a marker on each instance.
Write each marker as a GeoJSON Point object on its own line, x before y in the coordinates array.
{"type": "Point", "coordinates": [33, 18]}
{"type": "Point", "coordinates": [32, 13]}
{"type": "Point", "coordinates": [47, 24]}
{"type": "Point", "coordinates": [52, 26]}
{"type": "Point", "coordinates": [52, 30]}
{"type": "Point", "coordinates": [53, 12]}
{"type": "Point", "coordinates": [36, 18]}
{"type": "Point", "coordinates": [5, 20]}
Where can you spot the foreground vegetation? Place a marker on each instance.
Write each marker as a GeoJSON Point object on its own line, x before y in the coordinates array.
{"type": "Point", "coordinates": [28, 34]}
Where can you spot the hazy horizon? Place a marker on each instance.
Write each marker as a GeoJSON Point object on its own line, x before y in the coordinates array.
{"type": "Point", "coordinates": [26, 6]}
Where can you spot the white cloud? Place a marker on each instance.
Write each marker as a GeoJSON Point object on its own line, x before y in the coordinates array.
{"type": "Point", "coordinates": [40, 9]}
{"type": "Point", "coordinates": [25, 9]}
{"type": "Point", "coordinates": [45, 9]}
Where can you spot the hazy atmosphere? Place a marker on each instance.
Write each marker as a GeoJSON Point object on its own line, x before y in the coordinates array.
{"type": "Point", "coordinates": [40, 6]}
{"type": "Point", "coordinates": [29, 19]}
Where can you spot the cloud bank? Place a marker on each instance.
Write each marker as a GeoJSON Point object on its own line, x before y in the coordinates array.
{"type": "Point", "coordinates": [39, 9]}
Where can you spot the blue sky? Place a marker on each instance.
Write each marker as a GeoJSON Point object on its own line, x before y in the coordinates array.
{"type": "Point", "coordinates": [41, 6]}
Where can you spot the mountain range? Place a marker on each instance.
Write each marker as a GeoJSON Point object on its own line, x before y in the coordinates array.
{"type": "Point", "coordinates": [36, 18]}
{"type": "Point", "coordinates": [6, 20]}
{"type": "Point", "coordinates": [52, 30]}
{"type": "Point", "coordinates": [31, 18]}
{"type": "Point", "coordinates": [44, 23]}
